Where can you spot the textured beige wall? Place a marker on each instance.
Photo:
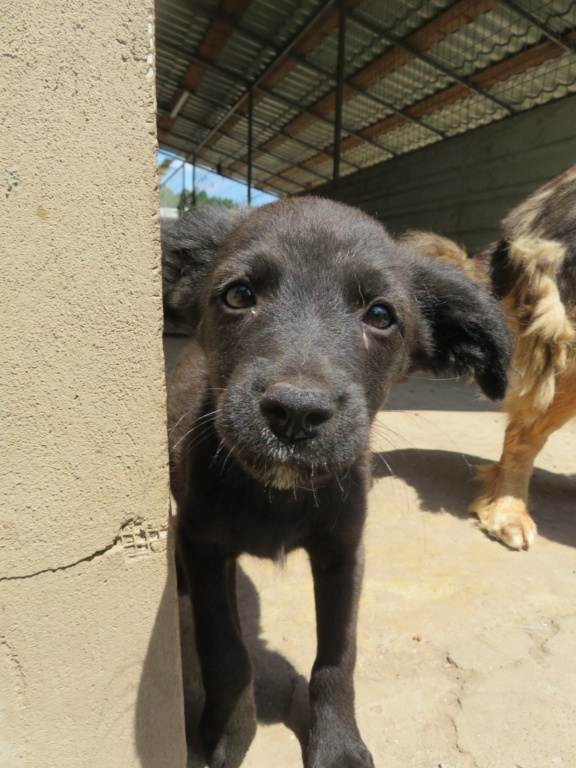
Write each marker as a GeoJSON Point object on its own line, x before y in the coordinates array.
{"type": "Point", "coordinates": [89, 663]}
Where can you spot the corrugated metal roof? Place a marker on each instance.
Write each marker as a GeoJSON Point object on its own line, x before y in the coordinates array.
{"type": "Point", "coordinates": [416, 72]}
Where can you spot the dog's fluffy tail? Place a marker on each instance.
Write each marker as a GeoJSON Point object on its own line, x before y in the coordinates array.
{"type": "Point", "coordinates": [544, 333]}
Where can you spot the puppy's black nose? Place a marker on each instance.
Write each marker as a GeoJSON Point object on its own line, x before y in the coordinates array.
{"type": "Point", "coordinates": [295, 413]}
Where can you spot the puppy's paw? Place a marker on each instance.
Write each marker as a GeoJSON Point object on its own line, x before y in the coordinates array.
{"type": "Point", "coordinates": [507, 520]}
{"type": "Point", "coordinates": [336, 751]}
{"type": "Point", "coordinates": [226, 739]}
{"type": "Point", "coordinates": [230, 750]}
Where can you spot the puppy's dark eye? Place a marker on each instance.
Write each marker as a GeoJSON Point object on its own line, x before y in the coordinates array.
{"type": "Point", "coordinates": [239, 297]}
{"type": "Point", "coordinates": [379, 316]}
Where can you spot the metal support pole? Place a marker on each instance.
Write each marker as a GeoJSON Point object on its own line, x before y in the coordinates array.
{"type": "Point", "coordinates": [340, 67]}
{"type": "Point", "coordinates": [174, 172]}
{"type": "Point", "coordinates": [550, 34]}
{"type": "Point", "coordinates": [193, 201]}
{"type": "Point", "coordinates": [182, 201]}
{"type": "Point", "coordinates": [250, 115]}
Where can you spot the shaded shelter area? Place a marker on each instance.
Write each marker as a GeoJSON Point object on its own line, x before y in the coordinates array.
{"type": "Point", "coordinates": [289, 96]}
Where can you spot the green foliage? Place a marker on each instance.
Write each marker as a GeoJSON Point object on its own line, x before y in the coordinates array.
{"type": "Point", "coordinates": [164, 167]}
{"type": "Point", "coordinates": [169, 199]}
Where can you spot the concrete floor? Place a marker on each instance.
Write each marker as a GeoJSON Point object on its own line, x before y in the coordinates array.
{"type": "Point", "coordinates": [467, 651]}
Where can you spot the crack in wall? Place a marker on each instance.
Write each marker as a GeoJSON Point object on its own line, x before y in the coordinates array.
{"type": "Point", "coordinates": [16, 666]}
{"type": "Point", "coordinates": [135, 537]}
{"type": "Point", "coordinates": [86, 559]}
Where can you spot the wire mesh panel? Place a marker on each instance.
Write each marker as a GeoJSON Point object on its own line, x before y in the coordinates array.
{"type": "Point", "coordinates": [414, 73]}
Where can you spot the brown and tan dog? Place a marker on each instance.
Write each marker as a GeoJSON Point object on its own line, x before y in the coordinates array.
{"type": "Point", "coordinates": [532, 270]}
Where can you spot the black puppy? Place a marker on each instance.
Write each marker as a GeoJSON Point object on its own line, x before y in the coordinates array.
{"type": "Point", "coordinates": [306, 312]}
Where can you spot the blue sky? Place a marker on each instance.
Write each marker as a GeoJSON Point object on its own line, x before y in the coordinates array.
{"type": "Point", "coordinates": [211, 182]}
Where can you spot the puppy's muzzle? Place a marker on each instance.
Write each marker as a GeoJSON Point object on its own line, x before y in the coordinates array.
{"type": "Point", "coordinates": [294, 413]}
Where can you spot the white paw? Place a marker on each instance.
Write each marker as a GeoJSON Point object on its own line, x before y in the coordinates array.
{"type": "Point", "coordinates": [508, 521]}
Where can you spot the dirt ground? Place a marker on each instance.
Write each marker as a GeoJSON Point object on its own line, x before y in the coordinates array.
{"type": "Point", "coordinates": [467, 650]}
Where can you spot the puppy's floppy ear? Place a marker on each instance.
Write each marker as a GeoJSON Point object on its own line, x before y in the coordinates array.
{"type": "Point", "coordinates": [463, 328]}
{"type": "Point", "coordinates": [188, 250]}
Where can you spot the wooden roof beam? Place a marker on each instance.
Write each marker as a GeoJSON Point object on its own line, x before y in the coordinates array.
{"type": "Point", "coordinates": [441, 26]}
{"type": "Point", "coordinates": [496, 73]}
{"type": "Point", "coordinates": [215, 39]}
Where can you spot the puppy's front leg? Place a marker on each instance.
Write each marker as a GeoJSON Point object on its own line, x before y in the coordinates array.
{"type": "Point", "coordinates": [228, 722]}
{"type": "Point", "coordinates": [334, 737]}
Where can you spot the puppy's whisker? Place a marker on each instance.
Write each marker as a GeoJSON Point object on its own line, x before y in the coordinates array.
{"type": "Point", "coordinates": [208, 415]}
{"type": "Point", "coordinates": [437, 378]}
{"type": "Point", "coordinates": [315, 496]}
{"type": "Point", "coordinates": [217, 453]}
{"type": "Point", "coordinates": [222, 468]}
{"type": "Point", "coordinates": [181, 439]}
{"type": "Point", "coordinates": [396, 480]}
{"type": "Point", "coordinates": [204, 421]}
{"type": "Point", "coordinates": [380, 456]}
{"type": "Point", "coordinates": [384, 431]}
{"type": "Point", "coordinates": [339, 484]}
{"type": "Point", "coordinates": [195, 424]}
{"type": "Point", "coordinates": [442, 432]}
{"type": "Point", "coordinates": [173, 427]}
{"type": "Point", "coordinates": [200, 438]}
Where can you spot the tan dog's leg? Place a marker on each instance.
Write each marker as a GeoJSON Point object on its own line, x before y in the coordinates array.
{"type": "Point", "coordinates": [502, 505]}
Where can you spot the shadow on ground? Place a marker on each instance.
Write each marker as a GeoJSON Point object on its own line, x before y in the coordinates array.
{"type": "Point", "coordinates": [158, 717]}
{"type": "Point", "coordinates": [445, 482]}
{"type": "Point", "coordinates": [419, 392]}
{"type": "Point", "coordinates": [281, 692]}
